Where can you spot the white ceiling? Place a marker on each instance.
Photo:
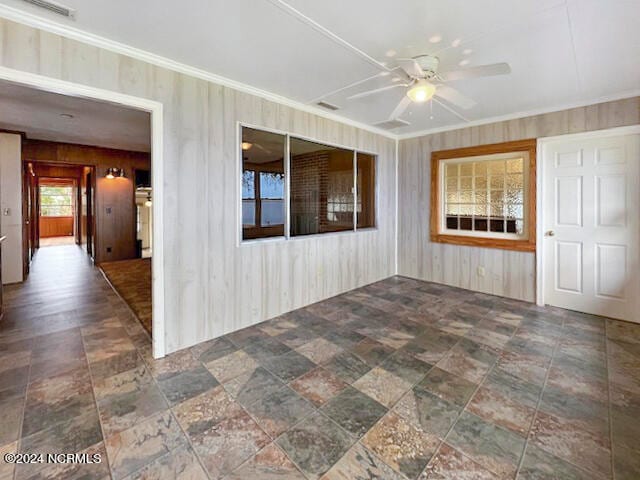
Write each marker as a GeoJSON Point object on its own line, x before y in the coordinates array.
{"type": "Point", "coordinates": [562, 52]}
{"type": "Point", "coordinates": [38, 114]}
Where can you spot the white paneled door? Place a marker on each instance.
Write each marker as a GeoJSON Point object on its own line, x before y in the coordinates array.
{"type": "Point", "coordinates": [591, 242]}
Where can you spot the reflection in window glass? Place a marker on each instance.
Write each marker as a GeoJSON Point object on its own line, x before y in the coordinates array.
{"type": "Point", "coordinates": [366, 198]}
{"type": "Point", "coordinates": [485, 195]}
{"type": "Point", "coordinates": [263, 184]}
{"type": "Point", "coordinates": [321, 190]}
{"type": "Point", "coordinates": [248, 198]}
{"type": "Point", "coordinates": [272, 198]}
{"type": "Point", "coordinates": [330, 189]}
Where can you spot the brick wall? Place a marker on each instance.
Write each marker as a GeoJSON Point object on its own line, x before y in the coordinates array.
{"type": "Point", "coordinates": [309, 182]}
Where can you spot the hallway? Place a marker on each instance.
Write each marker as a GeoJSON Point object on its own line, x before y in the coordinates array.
{"type": "Point", "coordinates": [65, 333]}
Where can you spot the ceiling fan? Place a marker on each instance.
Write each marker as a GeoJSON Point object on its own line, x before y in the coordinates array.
{"type": "Point", "coordinates": [423, 82]}
{"type": "Point", "coordinates": [249, 145]}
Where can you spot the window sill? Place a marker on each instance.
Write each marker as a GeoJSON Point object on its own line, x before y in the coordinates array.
{"type": "Point", "coordinates": [499, 243]}
{"type": "Point", "coordinates": [302, 238]}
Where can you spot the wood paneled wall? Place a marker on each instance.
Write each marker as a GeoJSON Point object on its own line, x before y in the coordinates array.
{"type": "Point", "coordinates": [508, 273]}
{"type": "Point", "coordinates": [115, 230]}
{"type": "Point", "coordinates": [56, 226]}
{"type": "Point", "coordinates": [212, 284]}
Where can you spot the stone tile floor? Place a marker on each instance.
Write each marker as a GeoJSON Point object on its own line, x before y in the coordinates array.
{"type": "Point", "coordinates": [401, 379]}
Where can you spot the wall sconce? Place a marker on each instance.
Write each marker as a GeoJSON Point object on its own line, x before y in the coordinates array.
{"type": "Point", "coordinates": [148, 202]}
{"type": "Point", "coordinates": [113, 172]}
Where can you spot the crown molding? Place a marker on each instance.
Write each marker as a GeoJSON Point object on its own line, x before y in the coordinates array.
{"type": "Point", "coordinates": [35, 21]}
{"type": "Point", "coordinates": [519, 115]}
{"type": "Point", "coordinates": [67, 31]}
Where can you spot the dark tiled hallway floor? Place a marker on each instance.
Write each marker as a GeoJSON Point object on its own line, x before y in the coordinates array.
{"type": "Point", "coordinates": [398, 380]}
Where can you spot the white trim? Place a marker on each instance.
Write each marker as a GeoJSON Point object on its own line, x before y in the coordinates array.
{"type": "Point", "coordinates": [304, 137]}
{"type": "Point", "coordinates": [519, 115]}
{"type": "Point", "coordinates": [397, 199]}
{"type": "Point", "coordinates": [354, 191]}
{"type": "Point", "coordinates": [157, 259]}
{"type": "Point", "coordinates": [29, 19]}
{"type": "Point", "coordinates": [539, 222]}
{"type": "Point", "coordinates": [62, 87]}
{"type": "Point", "coordinates": [305, 238]}
{"type": "Point", "coordinates": [287, 188]}
{"type": "Point", "coordinates": [239, 173]}
{"type": "Point", "coordinates": [540, 191]}
{"type": "Point", "coordinates": [608, 132]}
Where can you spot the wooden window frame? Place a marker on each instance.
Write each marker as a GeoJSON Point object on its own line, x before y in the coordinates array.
{"type": "Point", "coordinates": [526, 244]}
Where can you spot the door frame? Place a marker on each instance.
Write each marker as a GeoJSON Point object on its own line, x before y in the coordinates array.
{"type": "Point", "coordinates": [90, 189]}
{"type": "Point", "coordinates": [540, 191]}
{"type": "Point", "coordinates": [155, 109]}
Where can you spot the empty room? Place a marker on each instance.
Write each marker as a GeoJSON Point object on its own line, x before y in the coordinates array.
{"type": "Point", "coordinates": [302, 240]}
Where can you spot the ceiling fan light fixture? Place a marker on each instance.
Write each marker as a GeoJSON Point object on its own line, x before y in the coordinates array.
{"type": "Point", "coordinates": [421, 91]}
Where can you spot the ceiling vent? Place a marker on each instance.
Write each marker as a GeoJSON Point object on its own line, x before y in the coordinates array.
{"type": "Point", "coordinates": [391, 124]}
{"type": "Point", "coordinates": [328, 106]}
{"type": "Point", "coordinates": [53, 7]}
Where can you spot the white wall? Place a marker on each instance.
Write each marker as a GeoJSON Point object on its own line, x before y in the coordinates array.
{"type": "Point", "coordinates": [11, 207]}
{"type": "Point", "coordinates": [212, 284]}
{"type": "Point", "coordinates": [508, 273]}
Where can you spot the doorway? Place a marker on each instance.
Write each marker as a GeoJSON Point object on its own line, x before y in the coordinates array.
{"type": "Point", "coordinates": [58, 209]}
{"type": "Point", "coordinates": [588, 227]}
{"type": "Point", "coordinates": [67, 89]}
{"type": "Point", "coordinates": [144, 213]}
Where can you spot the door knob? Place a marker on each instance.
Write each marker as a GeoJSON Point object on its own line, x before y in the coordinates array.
{"type": "Point", "coordinates": [550, 233]}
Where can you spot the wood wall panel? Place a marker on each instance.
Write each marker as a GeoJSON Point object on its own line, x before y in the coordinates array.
{"type": "Point", "coordinates": [212, 283]}
{"type": "Point", "coordinates": [508, 273]}
{"type": "Point", "coordinates": [56, 226]}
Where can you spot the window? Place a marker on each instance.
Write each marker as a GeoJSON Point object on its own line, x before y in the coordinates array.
{"type": "Point", "coordinates": [330, 189]}
{"type": "Point", "coordinates": [321, 188]}
{"type": "Point", "coordinates": [366, 190]}
{"type": "Point", "coordinates": [56, 201]}
{"type": "Point", "coordinates": [248, 198]}
{"type": "Point", "coordinates": [272, 198]}
{"type": "Point", "coordinates": [263, 180]}
{"type": "Point", "coordinates": [485, 196]}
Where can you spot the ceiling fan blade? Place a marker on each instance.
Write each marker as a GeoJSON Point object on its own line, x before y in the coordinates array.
{"type": "Point", "coordinates": [376, 90]}
{"type": "Point", "coordinates": [400, 73]}
{"type": "Point", "coordinates": [449, 109]}
{"type": "Point", "coordinates": [475, 72]}
{"type": "Point", "coordinates": [454, 97]}
{"type": "Point", "coordinates": [401, 108]}
{"type": "Point", "coordinates": [410, 66]}
{"type": "Point", "coordinates": [265, 150]}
